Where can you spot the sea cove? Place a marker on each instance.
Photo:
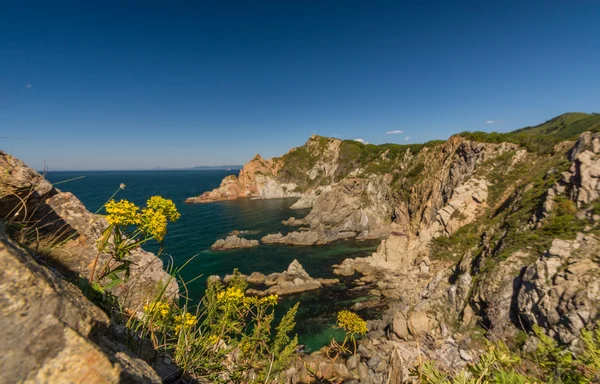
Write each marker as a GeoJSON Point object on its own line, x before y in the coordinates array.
{"type": "Point", "coordinates": [201, 224]}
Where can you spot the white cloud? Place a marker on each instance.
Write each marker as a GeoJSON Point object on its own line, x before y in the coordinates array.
{"type": "Point", "coordinates": [29, 85]}
{"type": "Point", "coordinates": [361, 141]}
{"type": "Point", "coordinates": [407, 138]}
{"type": "Point", "coordinates": [393, 132]}
{"type": "Point", "coordinates": [493, 121]}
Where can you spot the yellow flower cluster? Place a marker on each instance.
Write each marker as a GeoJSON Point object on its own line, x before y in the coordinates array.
{"type": "Point", "coordinates": [154, 224]}
{"type": "Point", "coordinates": [152, 220]}
{"type": "Point", "coordinates": [187, 321]}
{"type": "Point", "coordinates": [159, 309]}
{"type": "Point", "coordinates": [351, 323]}
{"type": "Point", "coordinates": [155, 216]}
{"type": "Point", "coordinates": [213, 339]}
{"type": "Point", "coordinates": [122, 213]}
{"type": "Point", "coordinates": [164, 206]}
{"type": "Point", "coordinates": [236, 296]}
{"type": "Point", "coordinates": [231, 295]}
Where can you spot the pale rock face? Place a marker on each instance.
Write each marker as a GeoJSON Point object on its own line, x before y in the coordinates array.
{"type": "Point", "coordinates": [561, 291]}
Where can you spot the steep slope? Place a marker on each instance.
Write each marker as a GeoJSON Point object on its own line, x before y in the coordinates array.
{"type": "Point", "coordinates": [514, 246]}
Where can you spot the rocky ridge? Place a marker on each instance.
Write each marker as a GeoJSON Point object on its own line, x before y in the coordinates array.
{"type": "Point", "coordinates": [469, 267]}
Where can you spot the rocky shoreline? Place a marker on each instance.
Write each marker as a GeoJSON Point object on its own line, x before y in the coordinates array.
{"type": "Point", "coordinates": [437, 293]}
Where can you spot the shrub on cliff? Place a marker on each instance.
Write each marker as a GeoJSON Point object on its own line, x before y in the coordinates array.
{"type": "Point", "coordinates": [549, 363]}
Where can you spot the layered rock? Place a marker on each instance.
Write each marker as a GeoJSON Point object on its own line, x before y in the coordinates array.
{"type": "Point", "coordinates": [233, 242]}
{"type": "Point", "coordinates": [52, 334]}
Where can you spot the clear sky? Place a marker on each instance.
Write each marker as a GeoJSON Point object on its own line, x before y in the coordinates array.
{"type": "Point", "coordinates": [127, 85]}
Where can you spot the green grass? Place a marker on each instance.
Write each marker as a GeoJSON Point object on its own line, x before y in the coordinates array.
{"type": "Point", "coordinates": [542, 138]}
{"type": "Point", "coordinates": [564, 126]}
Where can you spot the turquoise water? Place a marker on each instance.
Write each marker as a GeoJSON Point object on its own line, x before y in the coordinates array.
{"type": "Point", "coordinates": [201, 224]}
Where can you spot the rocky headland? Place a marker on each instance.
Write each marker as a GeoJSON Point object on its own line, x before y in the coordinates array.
{"type": "Point", "coordinates": [483, 236]}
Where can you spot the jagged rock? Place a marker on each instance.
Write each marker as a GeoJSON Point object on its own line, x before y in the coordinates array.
{"type": "Point", "coordinates": [62, 218]}
{"type": "Point", "coordinates": [561, 290]}
{"type": "Point", "coordinates": [233, 242]}
{"type": "Point", "coordinates": [51, 333]}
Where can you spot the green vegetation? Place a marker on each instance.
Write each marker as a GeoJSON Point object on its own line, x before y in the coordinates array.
{"type": "Point", "coordinates": [542, 138]}
{"type": "Point", "coordinates": [226, 338]}
{"type": "Point", "coordinates": [564, 126]}
{"type": "Point", "coordinates": [204, 340]}
{"type": "Point", "coordinates": [550, 363]}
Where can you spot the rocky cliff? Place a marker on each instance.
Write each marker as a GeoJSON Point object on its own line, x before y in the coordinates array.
{"type": "Point", "coordinates": [484, 235]}
{"type": "Point", "coordinates": [489, 246]}
{"type": "Point", "coordinates": [50, 332]}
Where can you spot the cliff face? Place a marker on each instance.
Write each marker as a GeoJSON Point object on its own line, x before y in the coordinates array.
{"type": "Point", "coordinates": [483, 233]}
{"type": "Point", "coordinates": [500, 244]}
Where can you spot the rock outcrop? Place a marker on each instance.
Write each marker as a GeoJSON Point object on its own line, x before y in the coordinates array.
{"type": "Point", "coordinates": [293, 280]}
{"type": "Point", "coordinates": [233, 242]}
{"type": "Point", "coordinates": [486, 273]}
{"type": "Point", "coordinates": [561, 290]}
{"type": "Point", "coordinates": [64, 232]}
{"type": "Point", "coordinates": [52, 334]}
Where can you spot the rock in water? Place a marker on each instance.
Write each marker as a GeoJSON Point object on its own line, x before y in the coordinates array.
{"type": "Point", "coordinates": [233, 242]}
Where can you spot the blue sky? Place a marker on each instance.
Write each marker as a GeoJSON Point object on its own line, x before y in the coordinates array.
{"type": "Point", "coordinates": [127, 85]}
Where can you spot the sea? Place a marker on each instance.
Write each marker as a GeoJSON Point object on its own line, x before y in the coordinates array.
{"type": "Point", "coordinates": [201, 225]}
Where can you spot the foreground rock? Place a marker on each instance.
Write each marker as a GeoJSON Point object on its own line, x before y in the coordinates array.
{"type": "Point", "coordinates": [65, 233]}
{"type": "Point", "coordinates": [50, 333]}
{"type": "Point", "coordinates": [233, 242]}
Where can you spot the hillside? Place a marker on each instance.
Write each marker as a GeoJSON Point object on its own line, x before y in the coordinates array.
{"type": "Point", "coordinates": [485, 235]}
{"type": "Point", "coordinates": [565, 126]}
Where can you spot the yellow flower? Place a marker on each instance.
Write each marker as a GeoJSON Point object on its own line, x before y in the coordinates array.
{"type": "Point", "coordinates": [158, 310]}
{"type": "Point", "coordinates": [231, 295]}
{"type": "Point", "coordinates": [351, 323]}
{"type": "Point", "coordinates": [213, 339]}
{"type": "Point", "coordinates": [186, 321]}
{"type": "Point", "coordinates": [154, 223]}
{"type": "Point", "coordinates": [164, 206]}
{"type": "Point", "coordinates": [122, 213]}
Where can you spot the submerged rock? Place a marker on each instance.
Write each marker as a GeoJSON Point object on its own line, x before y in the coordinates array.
{"type": "Point", "coordinates": [233, 242]}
